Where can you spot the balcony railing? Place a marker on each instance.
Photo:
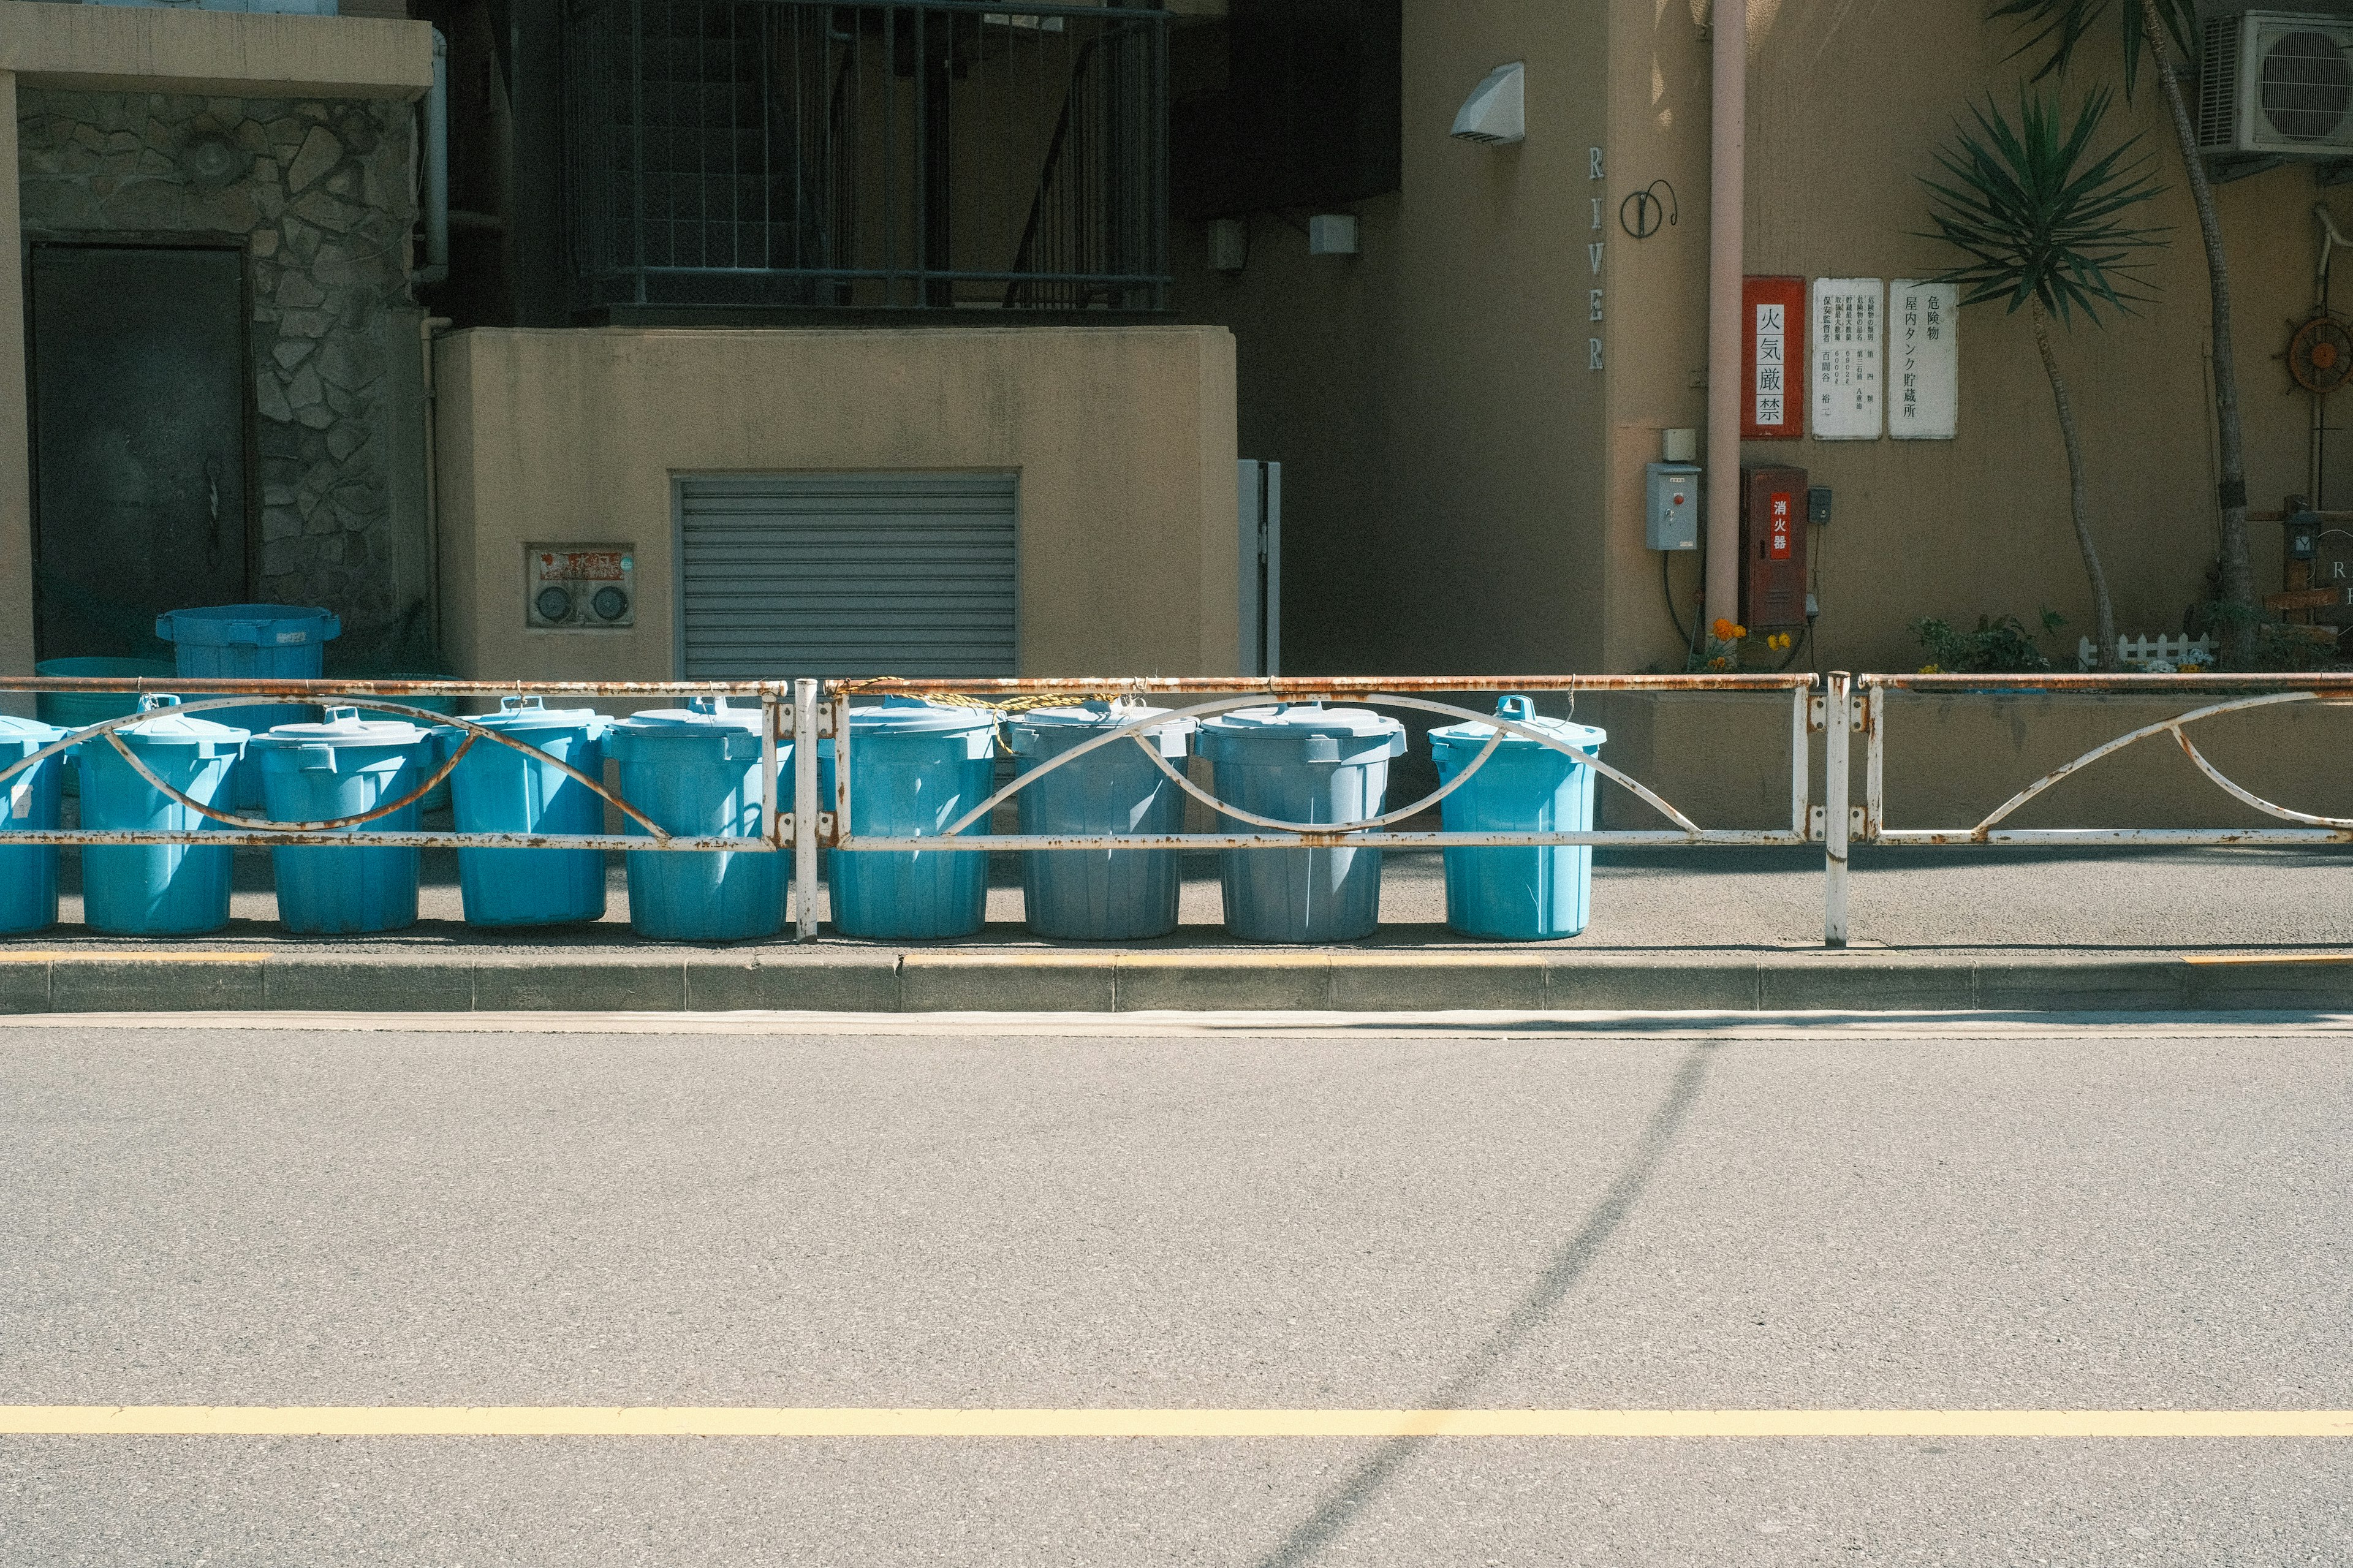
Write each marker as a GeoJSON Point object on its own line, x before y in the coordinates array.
{"type": "Point", "coordinates": [919, 155]}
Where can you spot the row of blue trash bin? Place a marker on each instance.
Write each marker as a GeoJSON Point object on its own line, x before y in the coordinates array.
{"type": "Point", "coordinates": [695, 770]}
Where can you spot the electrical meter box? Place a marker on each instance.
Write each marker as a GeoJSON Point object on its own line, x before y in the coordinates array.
{"type": "Point", "coordinates": [580, 587]}
{"type": "Point", "coordinates": [1670, 506]}
{"type": "Point", "coordinates": [1772, 548]}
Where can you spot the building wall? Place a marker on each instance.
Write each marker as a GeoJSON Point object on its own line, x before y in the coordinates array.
{"type": "Point", "coordinates": [1431, 399]}
{"type": "Point", "coordinates": [318, 192]}
{"type": "Point", "coordinates": [1463, 494]}
{"type": "Point", "coordinates": [1838, 140]}
{"type": "Point", "coordinates": [1124, 438]}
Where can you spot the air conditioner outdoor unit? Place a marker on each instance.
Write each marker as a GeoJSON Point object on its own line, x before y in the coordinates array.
{"type": "Point", "coordinates": [2279, 83]}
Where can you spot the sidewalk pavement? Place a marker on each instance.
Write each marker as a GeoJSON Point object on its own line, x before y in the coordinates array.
{"type": "Point", "coordinates": [2240, 929]}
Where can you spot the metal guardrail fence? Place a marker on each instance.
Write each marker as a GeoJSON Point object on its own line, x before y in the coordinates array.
{"type": "Point", "coordinates": [1839, 705]}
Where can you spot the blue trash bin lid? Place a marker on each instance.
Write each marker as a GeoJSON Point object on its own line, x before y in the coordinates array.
{"type": "Point", "coordinates": [1520, 711]}
{"type": "Point", "coordinates": [19, 737]}
{"type": "Point", "coordinates": [260, 626]}
{"type": "Point", "coordinates": [169, 728]}
{"type": "Point", "coordinates": [701, 715]}
{"type": "Point", "coordinates": [914, 716]}
{"type": "Point", "coordinates": [1045, 731]}
{"type": "Point", "coordinates": [343, 727]}
{"type": "Point", "coordinates": [704, 721]}
{"type": "Point", "coordinates": [1301, 732]}
{"type": "Point", "coordinates": [519, 715]}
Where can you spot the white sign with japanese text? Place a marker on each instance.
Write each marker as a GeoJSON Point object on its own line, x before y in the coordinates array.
{"type": "Point", "coordinates": [1848, 371]}
{"type": "Point", "coordinates": [1923, 351]}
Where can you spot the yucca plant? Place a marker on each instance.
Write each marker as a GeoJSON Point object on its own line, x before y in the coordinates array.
{"type": "Point", "coordinates": [2041, 222]}
{"type": "Point", "coordinates": [2167, 32]}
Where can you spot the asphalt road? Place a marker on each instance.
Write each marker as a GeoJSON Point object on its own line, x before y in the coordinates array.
{"type": "Point", "coordinates": [2092, 1220]}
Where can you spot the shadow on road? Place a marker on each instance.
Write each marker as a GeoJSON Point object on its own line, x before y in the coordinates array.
{"type": "Point", "coordinates": [1570, 1265]}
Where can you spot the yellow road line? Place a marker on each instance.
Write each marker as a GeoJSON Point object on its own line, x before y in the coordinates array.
{"type": "Point", "coordinates": [584, 1421]}
{"type": "Point", "coordinates": [140, 956]}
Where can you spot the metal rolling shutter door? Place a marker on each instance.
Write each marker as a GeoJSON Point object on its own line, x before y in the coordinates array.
{"type": "Point", "coordinates": [846, 574]}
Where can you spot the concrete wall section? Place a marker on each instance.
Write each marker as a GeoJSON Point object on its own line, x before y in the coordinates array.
{"type": "Point", "coordinates": [1124, 438]}
{"type": "Point", "coordinates": [99, 48]}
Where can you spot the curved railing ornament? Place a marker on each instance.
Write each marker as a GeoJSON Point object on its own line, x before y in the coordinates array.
{"type": "Point", "coordinates": [106, 731]}
{"type": "Point", "coordinates": [2173, 726]}
{"type": "Point", "coordinates": [1139, 731]}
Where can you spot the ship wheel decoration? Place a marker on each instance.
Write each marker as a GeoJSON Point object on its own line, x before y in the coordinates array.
{"type": "Point", "coordinates": [2320, 355]}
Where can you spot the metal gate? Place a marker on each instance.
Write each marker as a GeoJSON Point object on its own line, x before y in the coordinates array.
{"type": "Point", "coordinates": [139, 383]}
{"type": "Point", "coordinates": [846, 574]}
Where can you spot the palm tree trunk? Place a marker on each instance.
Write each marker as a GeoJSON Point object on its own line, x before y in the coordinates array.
{"type": "Point", "coordinates": [2079, 497]}
{"type": "Point", "coordinates": [2237, 573]}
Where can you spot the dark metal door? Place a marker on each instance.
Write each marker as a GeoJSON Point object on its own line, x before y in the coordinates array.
{"type": "Point", "coordinates": [139, 396]}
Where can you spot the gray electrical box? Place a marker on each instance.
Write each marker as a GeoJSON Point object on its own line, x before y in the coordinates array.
{"type": "Point", "coordinates": [1670, 506]}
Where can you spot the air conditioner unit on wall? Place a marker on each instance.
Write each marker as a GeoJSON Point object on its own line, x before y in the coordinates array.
{"type": "Point", "coordinates": [2278, 83]}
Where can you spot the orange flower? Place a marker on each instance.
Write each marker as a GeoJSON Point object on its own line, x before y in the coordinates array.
{"type": "Point", "coordinates": [1740, 631]}
{"type": "Point", "coordinates": [1724, 630]}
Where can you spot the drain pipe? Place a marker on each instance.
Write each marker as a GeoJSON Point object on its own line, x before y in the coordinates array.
{"type": "Point", "coordinates": [1726, 185]}
{"type": "Point", "coordinates": [426, 328]}
{"type": "Point", "coordinates": [436, 170]}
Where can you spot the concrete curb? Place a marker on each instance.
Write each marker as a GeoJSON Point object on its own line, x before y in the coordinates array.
{"type": "Point", "coordinates": [935, 980]}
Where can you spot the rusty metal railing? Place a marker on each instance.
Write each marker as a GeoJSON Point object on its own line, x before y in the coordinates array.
{"type": "Point", "coordinates": [1863, 700]}
{"type": "Point", "coordinates": [778, 716]}
{"type": "Point", "coordinates": [1227, 695]}
{"type": "Point", "coordinates": [1839, 705]}
{"type": "Point", "coordinates": [792, 710]}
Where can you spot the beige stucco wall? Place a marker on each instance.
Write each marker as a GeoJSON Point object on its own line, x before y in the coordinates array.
{"type": "Point", "coordinates": [1847, 106]}
{"type": "Point", "coordinates": [1429, 399]}
{"type": "Point", "coordinates": [1124, 438]}
{"type": "Point", "coordinates": [1461, 494]}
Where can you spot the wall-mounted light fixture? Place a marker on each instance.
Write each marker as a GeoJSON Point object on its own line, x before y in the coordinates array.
{"type": "Point", "coordinates": [1229, 244]}
{"type": "Point", "coordinates": [1496, 112]}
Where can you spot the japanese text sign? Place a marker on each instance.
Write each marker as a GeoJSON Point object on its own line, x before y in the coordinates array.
{"type": "Point", "coordinates": [1849, 374]}
{"type": "Point", "coordinates": [1772, 359]}
{"type": "Point", "coordinates": [1924, 353]}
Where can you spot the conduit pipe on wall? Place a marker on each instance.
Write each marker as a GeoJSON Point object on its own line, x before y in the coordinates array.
{"type": "Point", "coordinates": [436, 169]}
{"type": "Point", "coordinates": [1726, 182]}
{"type": "Point", "coordinates": [425, 327]}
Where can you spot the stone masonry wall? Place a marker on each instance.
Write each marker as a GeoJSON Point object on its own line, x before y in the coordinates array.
{"type": "Point", "coordinates": [320, 192]}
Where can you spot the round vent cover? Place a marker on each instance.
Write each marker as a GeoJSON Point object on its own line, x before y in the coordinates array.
{"type": "Point", "coordinates": [2307, 86]}
{"type": "Point", "coordinates": [2320, 355]}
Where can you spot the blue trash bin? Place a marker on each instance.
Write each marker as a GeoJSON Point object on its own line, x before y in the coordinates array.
{"type": "Point", "coordinates": [696, 770]}
{"type": "Point", "coordinates": [438, 798]}
{"type": "Point", "coordinates": [498, 789]}
{"type": "Point", "coordinates": [252, 642]}
{"type": "Point", "coordinates": [29, 801]}
{"type": "Point", "coordinates": [75, 709]}
{"type": "Point", "coordinates": [915, 767]}
{"type": "Point", "coordinates": [1305, 763]}
{"type": "Point", "coordinates": [1518, 894]}
{"type": "Point", "coordinates": [1099, 895]}
{"type": "Point", "coordinates": [343, 767]}
{"type": "Point", "coordinates": [157, 889]}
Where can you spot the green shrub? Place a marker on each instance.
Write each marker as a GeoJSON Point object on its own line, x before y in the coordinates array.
{"type": "Point", "coordinates": [1998, 646]}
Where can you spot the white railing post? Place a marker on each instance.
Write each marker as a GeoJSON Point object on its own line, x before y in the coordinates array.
{"type": "Point", "coordinates": [1874, 758]}
{"type": "Point", "coordinates": [1801, 760]}
{"type": "Point", "coordinates": [1839, 720]}
{"type": "Point", "coordinates": [805, 810]}
{"type": "Point", "coordinates": [772, 821]}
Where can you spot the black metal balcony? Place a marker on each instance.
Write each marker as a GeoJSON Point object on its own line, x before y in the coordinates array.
{"type": "Point", "coordinates": [923, 154]}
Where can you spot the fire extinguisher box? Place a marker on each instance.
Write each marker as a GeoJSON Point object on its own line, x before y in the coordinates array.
{"type": "Point", "coordinates": [1772, 548]}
